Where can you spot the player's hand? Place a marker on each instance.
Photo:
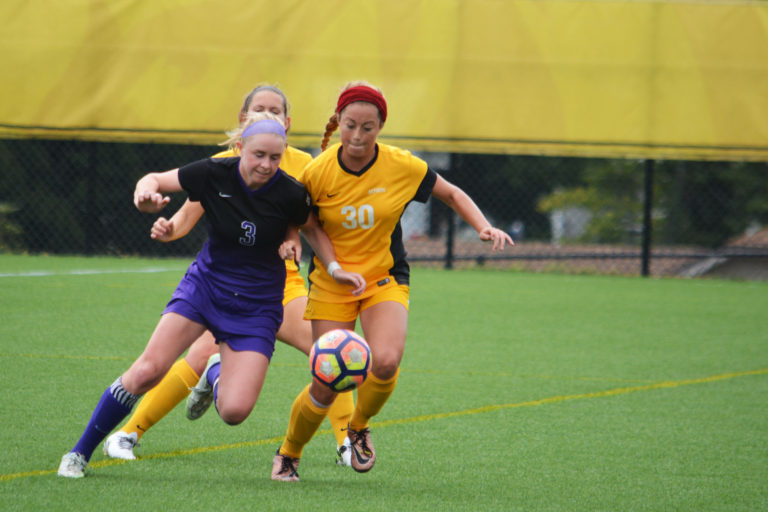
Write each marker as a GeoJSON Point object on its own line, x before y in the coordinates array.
{"type": "Point", "coordinates": [162, 230]}
{"type": "Point", "coordinates": [497, 236]}
{"type": "Point", "coordinates": [150, 202]}
{"type": "Point", "coordinates": [353, 279]}
{"type": "Point", "coordinates": [290, 250]}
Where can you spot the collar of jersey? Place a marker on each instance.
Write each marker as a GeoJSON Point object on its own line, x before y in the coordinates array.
{"type": "Point", "coordinates": [262, 189]}
{"type": "Point", "coordinates": [365, 168]}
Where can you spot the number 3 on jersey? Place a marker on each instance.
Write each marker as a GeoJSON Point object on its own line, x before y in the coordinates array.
{"type": "Point", "coordinates": [249, 237]}
{"type": "Point", "coordinates": [357, 217]}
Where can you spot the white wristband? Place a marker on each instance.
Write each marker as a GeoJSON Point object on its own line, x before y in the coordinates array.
{"type": "Point", "coordinates": [333, 267]}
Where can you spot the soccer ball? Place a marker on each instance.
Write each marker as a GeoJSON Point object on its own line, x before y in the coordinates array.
{"type": "Point", "coordinates": [340, 359]}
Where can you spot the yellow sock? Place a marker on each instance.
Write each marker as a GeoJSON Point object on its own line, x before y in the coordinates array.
{"type": "Point", "coordinates": [339, 414]}
{"type": "Point", "coordinates": [161, 399]}
{"type": "Point", "coordinates": [371, 397]}
{"type": "Point", "coordinates": [305, 418]}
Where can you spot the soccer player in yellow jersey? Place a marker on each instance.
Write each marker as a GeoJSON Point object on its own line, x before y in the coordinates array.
{"type": "Point", "coordinates": [294, 330]}
{"type": "Point", "coordinates": [360, 189]}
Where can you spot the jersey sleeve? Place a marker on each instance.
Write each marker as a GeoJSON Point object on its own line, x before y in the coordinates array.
{"type": "Point", "coordinates": [193, 179]}
{"type": "Point", "coordinates": [302, 214]}
{"type": "Point", "coordinates": [301, 202]}
{"type": "Point", "coordinates": [426, 186]}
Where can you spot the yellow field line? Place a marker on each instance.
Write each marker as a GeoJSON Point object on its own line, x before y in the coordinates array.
{"type": "Point", "coordinates": [524, 376]}
{"type": "Point", "coordinates": [581, 396]}
{"type": "Point", "coordinates": [425, 417]}
{"type": "Point", "coordinates": [303, 365]}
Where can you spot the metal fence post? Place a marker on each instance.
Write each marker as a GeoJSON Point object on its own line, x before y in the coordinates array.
{"type": "Point", "coordinates": [647, 204]}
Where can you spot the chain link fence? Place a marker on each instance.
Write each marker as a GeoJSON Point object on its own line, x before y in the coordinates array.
{"type": "Point", "coordinates": [601, 216]}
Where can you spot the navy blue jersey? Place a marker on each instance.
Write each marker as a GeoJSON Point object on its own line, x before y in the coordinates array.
{"type": "Point", "coordinates": [245, 227]}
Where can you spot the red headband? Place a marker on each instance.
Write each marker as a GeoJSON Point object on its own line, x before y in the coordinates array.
{"type": "Point", "coordinates": [366, 94]}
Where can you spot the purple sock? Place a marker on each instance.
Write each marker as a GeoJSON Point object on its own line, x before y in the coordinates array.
{"type": "Point", "coordinates": [213, 377]}
{"type": "Point", "coordinates": [107, 415]}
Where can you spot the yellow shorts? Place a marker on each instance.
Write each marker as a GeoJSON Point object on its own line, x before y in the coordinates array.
{"type": "Point", "coordinates": [294, 287]}
{"type": "Point", "coordinates": [348, 311]}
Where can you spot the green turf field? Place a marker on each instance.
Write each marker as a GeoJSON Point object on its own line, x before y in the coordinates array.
{"type": "Point", "coordinates": [517, 392]}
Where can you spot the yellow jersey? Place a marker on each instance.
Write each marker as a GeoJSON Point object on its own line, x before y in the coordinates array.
{"type": "Point", "coordinates": [361, 211]}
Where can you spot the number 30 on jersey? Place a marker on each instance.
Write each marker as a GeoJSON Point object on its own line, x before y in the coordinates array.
{"type": "Point", "coordinates": [361, 217]}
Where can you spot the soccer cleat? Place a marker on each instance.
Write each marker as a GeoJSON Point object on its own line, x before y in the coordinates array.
{"type": "Point", "coordinates": [72, 465]}
{"type": "Point", "coordinates": [120, 445]}
{"type": "Point", "coordinates": [344, 454]}
{"type": "Point", "coordinates": [363, 454]}
{"type": "Point", "coordinates": [201, 396]}
{"type": "Point", "coordinates": [284, 468]}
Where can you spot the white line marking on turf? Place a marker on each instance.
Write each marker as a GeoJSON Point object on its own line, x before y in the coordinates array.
{"type": "Point", "coordinates": [89, 272]}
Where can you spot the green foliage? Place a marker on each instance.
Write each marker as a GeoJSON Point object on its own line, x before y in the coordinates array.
{"type": "Point", "coordinates": [517, 392]}
{"type": "Point", "coordinates": [502, 186]}
{"type": "Point", "coordinates": [707, 203]}
{"type": "Point", "coordinates": [696, 203]}
{"type": "Point", "coordinates": [612, 196]}
{"type": "Point", "coordinates": [507, 187]}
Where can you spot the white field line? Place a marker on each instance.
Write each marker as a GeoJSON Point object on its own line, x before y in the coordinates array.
{"type": "Point", "coordinates": [89, 272]}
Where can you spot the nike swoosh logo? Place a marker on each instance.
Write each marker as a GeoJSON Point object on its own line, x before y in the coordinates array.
{"type": "Point", "coordinates": [359, 457]}
{"type": "Point", "coordinates": [222, 194]}
{"type": "Point", "coordinates": [331, 195]}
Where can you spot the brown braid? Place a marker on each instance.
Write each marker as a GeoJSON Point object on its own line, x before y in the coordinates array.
{"type": "Point", "coordinates": [330, 127]}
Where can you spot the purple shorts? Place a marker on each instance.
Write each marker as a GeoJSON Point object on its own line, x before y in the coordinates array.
{"type": "Point", "coordinates": [241, 323]}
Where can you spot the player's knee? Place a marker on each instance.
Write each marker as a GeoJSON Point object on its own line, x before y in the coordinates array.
{"type": "Point", "coordinates": [320, 394]}
{"type": "Point", "coordinates": [232, 419]}
{"type": "Point", "coordinates": [385, 366]}
{"type": "Point", "coordinates": [143, 375]}
{"type": "Point", "coordinates": [233, 414]}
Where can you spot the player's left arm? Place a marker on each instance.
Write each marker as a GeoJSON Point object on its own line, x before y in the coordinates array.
{"type": "Point", "coordinates": [182, 222]}
{"type": "Point", "coordinates": [290, 249]}
{"type": "Point", "coordinates": [461, 203]}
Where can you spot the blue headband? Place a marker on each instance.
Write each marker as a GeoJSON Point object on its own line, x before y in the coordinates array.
{"type": "Point", "coordinates": [264, 126]}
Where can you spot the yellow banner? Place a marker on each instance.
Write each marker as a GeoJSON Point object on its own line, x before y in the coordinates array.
{"type": "Point", "coordinates": [647, 79]}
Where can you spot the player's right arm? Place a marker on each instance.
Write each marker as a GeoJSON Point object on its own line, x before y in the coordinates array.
{"type": "Point", "coordinates": [325, 252]}
{"type": "Point", "coordinates": [148, 196]}
{"type": "Point", "coordinates": [182, 222]}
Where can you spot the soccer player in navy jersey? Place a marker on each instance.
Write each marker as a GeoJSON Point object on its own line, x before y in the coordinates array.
{"type": "Point", "coordinates": [234, 288]}
{"type": "Point", "coordinates": [295, 330]}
